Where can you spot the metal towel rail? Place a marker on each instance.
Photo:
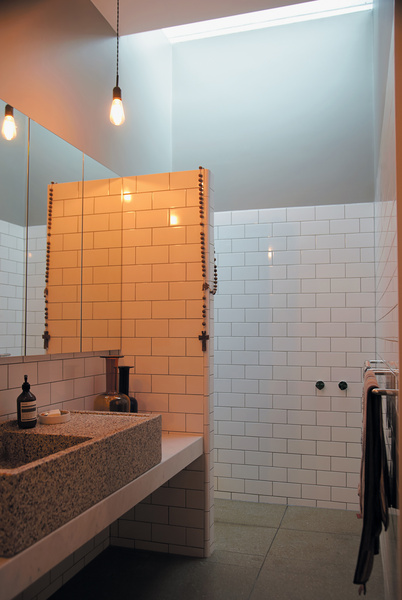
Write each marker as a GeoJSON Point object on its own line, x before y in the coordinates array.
{"type": "Point", "coordinates": [369, 364]}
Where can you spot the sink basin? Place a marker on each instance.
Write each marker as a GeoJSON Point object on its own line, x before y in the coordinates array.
{"type": "Point", "coordinates": [53, 473]}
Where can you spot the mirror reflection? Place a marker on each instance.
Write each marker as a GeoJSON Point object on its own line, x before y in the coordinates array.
{"type": "Point", "coordinates": [28, 165]}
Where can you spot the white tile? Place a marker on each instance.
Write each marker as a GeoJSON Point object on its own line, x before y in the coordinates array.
{"type": "Point", "coordinates": [316, 492]}
{"type": "Point", "coordinates": [345, 315]}
{"type": "Point", "coordinates": [258, 343]}
{"type": "Point", "coordinates": [348, 255]}
{"type": "Point", "coordinates": [331, 329]}
{"type": "Point", "coordinates": [231, 315]}
{"type": "Point", "coordinates": [272, 244]}
{"type": "Point", "coordinates": [222, 246]}
{"type": "Point", "coordinates": [316, 315]}
{"type": "Point", "coordinates": [231, 232]}
{"type": "Point", "coordinates": [315, 227]}
{"type": "Point", "coordinates": [240, 217]}
{"type": "Point", "coordinates": [261, 230]}
{"type": "Point", "coordinates": [289, 257]}
{"type": "Point", "coordinates": [230, 287]}
{"type": "Point", "coordinates": [344, 226]}
{"type": "Point", "coordinates": [285, 229]}
{"type": "Point", "coordinates": [289, 286]}
{"type": "Point", "coordinates": [360, 240]}
{"type": "Point", "coordinates": [272, 215]}
{"type": "Point", "coordinates": [245, 329]}
{"type": "Point", "coordinates": [366, 299]}
{"type": "Point", "coordinates": [332, 211]}
{"type": "Point", "coordinates": [284, 344]}
{"type": "Point", "coordinates": [258, 287]}
{"type": "Point", "coordinates": [331, 300]}
{"type": "Point", "coordinates": [304, 330]}
{"type": "Point", "coordinates": [297, 213]}
{"type": "Point", "coordinates": [315, 256]}
{"type": "Point", "coordinates": [253, 315]}
{"type": "Point", "coordinates": [302, 300]}
{"type": "Point", "coordinates": [232, 259]}
{"type": "Point", "coordinates": [304, 242]}
{"type": "Point", "coordinates": [360, 270]}
{"type": "Point", "coordinates": [249, 272]}
{"type": "Point", "coordinates": [231, 343]}
{"type": "Point", "coordinates": [246, 245]}
{"type": "Point", "coordinates": [358, 210]}
{"type": "Point", "coordinates": [367, 224]}
{"type": "Point", "coordinates": [273, 473]}
{"type": "Point", "coordinates": [258, 372]}
{"type": "Point", "coordinates": [272, 272]}
{"type": "Point", "coordinates": [257, 258]}
{"type": "Point", "coordinates": [223, 218]}
{"type": "Point", "coordinates": [301, 271]}
{"type": "Point", "coordinates": [331, 271]}
{"type": "Point", "coordinates": [244, 357]}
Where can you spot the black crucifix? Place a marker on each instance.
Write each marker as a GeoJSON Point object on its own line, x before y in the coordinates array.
{"type": "Point", "coordinates": [46, 338]}
{"type": "Point", "coordinates": [203, 338]}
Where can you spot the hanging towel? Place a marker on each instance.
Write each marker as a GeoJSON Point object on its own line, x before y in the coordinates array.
{"type": "Point", "coordinates": [374, 481]}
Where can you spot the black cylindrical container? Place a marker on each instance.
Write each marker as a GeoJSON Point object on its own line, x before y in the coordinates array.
{"type": "Point", "coordinates": [124, 379]}
{"type": "Point", "coordinates": [26, 407]}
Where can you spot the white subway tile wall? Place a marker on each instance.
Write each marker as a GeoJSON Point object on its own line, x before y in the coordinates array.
{"type": "Point", "coordinates": [295, 305]}
{"type": "Point", "coordinates": [36, 263]}
{"type": "Point", "coordinates": [12, 282]}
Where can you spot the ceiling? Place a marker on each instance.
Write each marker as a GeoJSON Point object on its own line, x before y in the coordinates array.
{"type": "Point", "coordinates": [146, 15]}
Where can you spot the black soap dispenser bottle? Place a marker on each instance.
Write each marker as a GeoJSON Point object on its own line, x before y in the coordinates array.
{"type": "Point", "coordinates": [124, 377]}
{"type": "Point", "coordinates": [26, 407]}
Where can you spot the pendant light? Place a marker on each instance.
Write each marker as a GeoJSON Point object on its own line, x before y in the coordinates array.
{"type": "Point", "coordinates": [117, 111]}
{"type": "Point", "coordinates": [9, 130]}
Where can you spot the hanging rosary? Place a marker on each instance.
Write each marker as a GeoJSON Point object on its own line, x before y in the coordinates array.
{"type": "Point", "coordinates": [46, 334]}
{"type": "Point", "coordinates": [205, 286]}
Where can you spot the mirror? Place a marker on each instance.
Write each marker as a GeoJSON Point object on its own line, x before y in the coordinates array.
{"type": "Point", "coordinates": [28, 164]}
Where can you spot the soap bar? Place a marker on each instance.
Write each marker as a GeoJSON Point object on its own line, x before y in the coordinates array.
{"type": "Point", "coordinates": [53, 417]}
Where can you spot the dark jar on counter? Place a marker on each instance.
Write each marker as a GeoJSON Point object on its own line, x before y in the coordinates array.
{"type": "Point", "coordinates": [112, 400]}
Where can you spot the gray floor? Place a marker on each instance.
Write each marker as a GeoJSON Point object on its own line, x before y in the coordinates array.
{"type": "Point", "coordinates": [263, 552]}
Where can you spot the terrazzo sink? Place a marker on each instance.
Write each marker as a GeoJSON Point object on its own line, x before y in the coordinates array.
{"type": "Point", "coordinates": [53, 473]}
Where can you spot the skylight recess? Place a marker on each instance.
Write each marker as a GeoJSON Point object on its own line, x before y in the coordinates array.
{"type": "Point", "coordinates": [285, 15]}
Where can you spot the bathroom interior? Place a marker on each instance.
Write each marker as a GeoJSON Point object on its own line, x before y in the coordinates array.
{"type": "Point", "coordinates": [283, 141]}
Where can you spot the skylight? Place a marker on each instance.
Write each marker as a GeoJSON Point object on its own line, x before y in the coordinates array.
{"type": "Point", "coordinates": [306, 11]}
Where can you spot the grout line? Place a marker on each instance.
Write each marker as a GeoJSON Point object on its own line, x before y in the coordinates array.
{"type": "Point", "coordinates": [267, 552]}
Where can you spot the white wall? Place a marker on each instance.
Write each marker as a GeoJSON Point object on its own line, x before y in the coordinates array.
{"type": "Point", "coordinates": [282, 116]}
{"type": "Point", "coordinates": [283, 322]}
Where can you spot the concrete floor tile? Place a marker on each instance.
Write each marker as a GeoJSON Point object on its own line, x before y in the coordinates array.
{"type": "Point", "coordinates": [322, 519]}
{"type": "Point", "coordinates": [316, 547]}
{"type": "Point", "coordinates": [304, 580]}
{"type": "Point", "coordinates": [248, 513]}
{"type": "Point", "coordinates": [246, 539]}
{"type": "Point", "coordinates": [237, 558]}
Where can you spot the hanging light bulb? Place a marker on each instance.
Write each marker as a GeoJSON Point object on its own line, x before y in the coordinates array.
{"type": "Point", "coordinates": [117, 111]}
{"type": "Point", "coordinates": [9, 130]}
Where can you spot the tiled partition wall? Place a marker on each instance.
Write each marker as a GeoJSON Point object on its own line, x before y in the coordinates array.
{"type": "Point", "coordinates": [295, 305]}
{"type": "Point", "coordinates": [12, 282]}
{"type": "Point", "coordinates": [161, 322]}
{"type": "Point", "coordinates": [172, 374]}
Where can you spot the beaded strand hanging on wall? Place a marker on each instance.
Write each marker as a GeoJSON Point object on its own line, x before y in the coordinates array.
{"type": "Point", "coordinates": [205, 286]}
{"type": "Point", "coordinates": [46, 334]}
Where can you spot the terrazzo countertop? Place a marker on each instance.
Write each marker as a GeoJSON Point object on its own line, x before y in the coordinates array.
{"type": "Point", "coordinates": [52, 473]}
